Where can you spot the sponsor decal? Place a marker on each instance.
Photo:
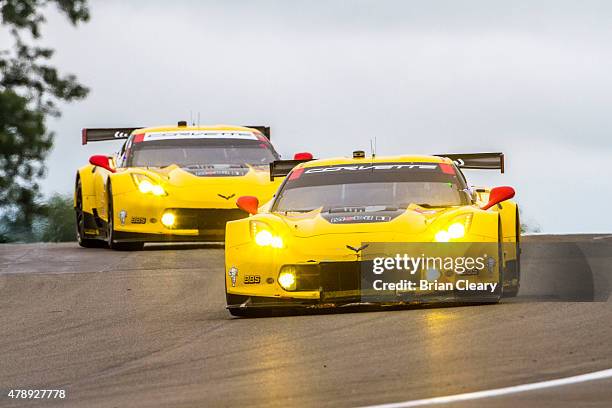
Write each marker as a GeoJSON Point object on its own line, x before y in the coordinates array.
{"type": "Point", "coordinates": [252, 279]}
{"type": "Point", "coordinates": [122, 217]}
{"type": "Point", "coordinates": [371, 167]}
{"type": "Point", "coordinates": [199, 134]}
{"type": "Point", "coordinates": [350, 219]}
{"type": "Point", "coordinates": [121, 135]}
{"type": "Point", "coordinates": [139, 220]}
{"type": "Point", "coordinates": [233, 274]}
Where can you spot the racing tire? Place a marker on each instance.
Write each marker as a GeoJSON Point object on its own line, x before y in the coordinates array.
{"type": "Point", "coordinates": [80, 221]}
{"type": "Point", "coordinates": [110, 229]}
{"type": "Point", "coordinates": [514, 266]}
{"type": "Point", "coordinates": [499, 292]}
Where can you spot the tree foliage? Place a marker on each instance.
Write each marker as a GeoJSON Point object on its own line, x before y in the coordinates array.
{"type": "Point", "coordinates": [30, 89]}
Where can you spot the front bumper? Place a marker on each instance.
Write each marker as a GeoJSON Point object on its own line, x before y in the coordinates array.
{"type": "Point", "coordinates": [347, 283]}
{"type": "Point", "coordinates": [191, 224]}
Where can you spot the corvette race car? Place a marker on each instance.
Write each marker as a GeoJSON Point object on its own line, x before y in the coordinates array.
{"type": "Point", "coordinates": [175, 183]}
{"type": "Point", "coordinates": [308, 247]}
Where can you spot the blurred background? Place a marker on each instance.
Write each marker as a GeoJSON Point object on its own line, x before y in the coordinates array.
{"type": "Point", "coordinates": [528, 78]}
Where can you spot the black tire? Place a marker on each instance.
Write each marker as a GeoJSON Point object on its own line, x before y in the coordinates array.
{"type": "Point", "coordinates": [110, 230]}
{"type": "Point", "coordinates": [500, 263]}
{"type": "Point", "coordinates": [514, 266]}
{"type": "Point", "coordinates": [80, 221]}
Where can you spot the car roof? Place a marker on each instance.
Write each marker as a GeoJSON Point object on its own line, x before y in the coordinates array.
{"type": "Point", "coordinates": [334, 161]}
{"type": "Point", "coordinates": [175, 128]}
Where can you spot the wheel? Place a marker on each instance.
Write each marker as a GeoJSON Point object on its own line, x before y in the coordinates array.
{"type": "Point", "coordinates": [514, 266]}
{"type": "Point", "coordinates": [80, 221]}
{"type": "Point", "coordinates": [499, 291]}
{"type": "Point", "coordinates": [110, 230]}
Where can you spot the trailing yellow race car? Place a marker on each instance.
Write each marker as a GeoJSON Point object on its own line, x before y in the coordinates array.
{"type": "Point", "coordinates": [354, 231]}
{"type": "Point", "coordinates": [173, 183]}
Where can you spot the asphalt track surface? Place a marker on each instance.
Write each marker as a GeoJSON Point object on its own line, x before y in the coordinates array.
{"type": "Point", "coordinates": [149, 329]}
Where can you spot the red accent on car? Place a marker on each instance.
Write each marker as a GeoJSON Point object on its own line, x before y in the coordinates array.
{"type": "Point", "coordinates": [302, 156]}
{"type": "Point", "coordinates": [101, 161]}
{"type": "Point", "coordinates": [84, 136]}
{"type": "Point", "coordinates": [249, 204]}
{"type": "Point", "coordinates": [497, 195]}
{"type": "Point", "coordinates": [296, 174]}
{"type": "Point", "coordinates": [138, 138]}
{"type": "Point", "coordinates": [447, 168]}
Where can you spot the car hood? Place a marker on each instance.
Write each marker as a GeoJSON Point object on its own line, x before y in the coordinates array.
{"type": "Point", "coordinates": [413, 220]}
{"type": "Point", "coordinates": [217, 191]}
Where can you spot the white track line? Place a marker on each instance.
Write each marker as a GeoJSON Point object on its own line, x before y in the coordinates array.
{"type": "Point", "coordinates": [597, 375]}
{"type": "Point", "coordinates": [603, 237]}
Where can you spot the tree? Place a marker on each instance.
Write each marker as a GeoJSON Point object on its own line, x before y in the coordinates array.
{"type": "Point", "coordinates": [29, 92]}
{"type": "Point", "coordinates": [58, 223]}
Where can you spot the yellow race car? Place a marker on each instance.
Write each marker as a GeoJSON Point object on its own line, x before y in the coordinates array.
{"type": "Point", "coordinates": [334, 224]}
{"type": "Point", "coordinates": [173, 183]}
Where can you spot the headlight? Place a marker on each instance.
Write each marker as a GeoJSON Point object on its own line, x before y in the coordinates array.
{"type": "Point", "coordinates": [263, 235]}
{"type": "Point", "coordinates": [168, 219]}
{"type": "Point", "coordinates": [287, 278]}
{"type": "Point", "coordinates": [455, 230]}
{"type": "Point", "coordinates": [146, 185]}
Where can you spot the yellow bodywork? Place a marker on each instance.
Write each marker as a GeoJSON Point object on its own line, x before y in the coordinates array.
{"type": "Point", "coordinates": [308, 239]}
{"type": "Point", "coordinates": [183, 189]}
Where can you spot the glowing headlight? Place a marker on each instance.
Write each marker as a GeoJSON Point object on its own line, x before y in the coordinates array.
{"type": "Point", "coordinates": [146, 185]}
{"type": "Point", "coordinates": [264, 236]}
{"type": "Point", "coordinates": [455, 230]}
{"type": "Point", "coordinates": [287, 278]}
{"type": "Point", "coordinates": [168, 219]}
{"type": "Point", "coordinates": [442, 236]}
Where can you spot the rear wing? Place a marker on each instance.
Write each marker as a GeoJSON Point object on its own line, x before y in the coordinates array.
{"type": "Point", "coordinates": [101, 134]}
{"type": "Point", "coordinates": [280, 168]}
{"type": "Point", "coordinates": [481, 161]}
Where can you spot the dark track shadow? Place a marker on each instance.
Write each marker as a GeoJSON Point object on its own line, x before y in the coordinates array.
{"type": "Point", "coordinates": [185, 246]}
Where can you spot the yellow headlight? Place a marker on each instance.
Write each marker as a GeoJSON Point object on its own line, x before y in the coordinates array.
{"type": "Point", "coordinates": [168, 219]}
{"type": "Point", "coordinates": [456, 230]}
{"type": "Point", "coordinates": [146, 185]}
{"type": "Point", "coordinates": [263, 238]}
{"type": "Point", "coordinates": [442, 236]}
{"type": "Point", "coordinates": [287, 279]}
{"type": "Point", "coordinates": [263, 235]}
{"type": "Point", "coordinates": [158, 190]}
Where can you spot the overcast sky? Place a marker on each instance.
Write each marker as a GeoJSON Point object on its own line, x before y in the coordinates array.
{"type": "Point", "coordinates": [531, 79]}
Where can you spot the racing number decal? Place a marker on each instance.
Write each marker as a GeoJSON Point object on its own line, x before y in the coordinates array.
{"type": "Point", "coordinates": [252, 279]}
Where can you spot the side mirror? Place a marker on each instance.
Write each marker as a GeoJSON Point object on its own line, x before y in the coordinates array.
{"type": "Point", "coordinates": [302, 156]}
{"type": "Point", "coordinates": [497, 195]}
{"type": "Point", "coordinates": [249, 204]}
{"type": "Point", "coordinates": [101, 161]}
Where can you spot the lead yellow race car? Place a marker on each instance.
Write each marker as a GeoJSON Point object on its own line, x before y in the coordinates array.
{"type": "Point", "coordinates": [357, 231]}
{"type": "Point", "coordinates": [172, 183]}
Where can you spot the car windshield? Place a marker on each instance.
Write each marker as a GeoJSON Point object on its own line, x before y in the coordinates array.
{"type": "Point", "coordinates": [368, 188]}
{"type": "Point", "coordinates": [199, 152]}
